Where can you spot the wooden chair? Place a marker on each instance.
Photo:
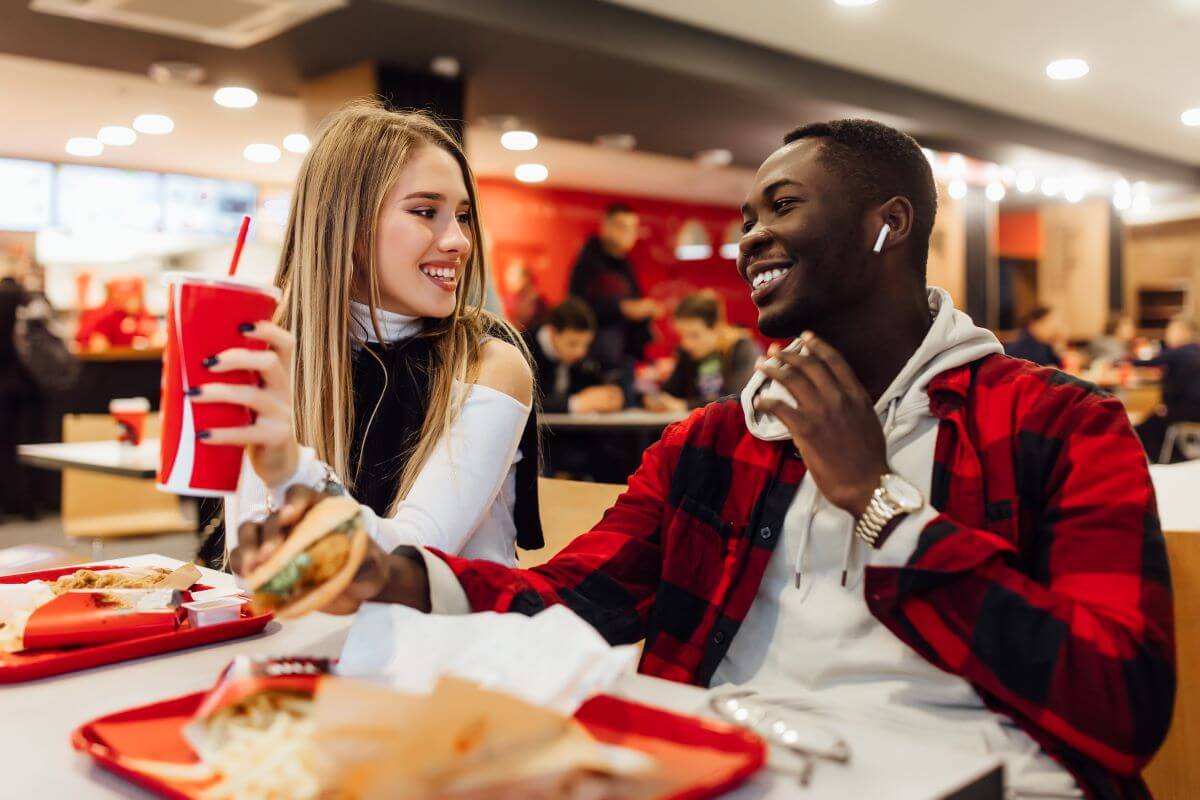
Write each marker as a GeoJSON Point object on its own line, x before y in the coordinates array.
{"type": "Point", "coordinates": [569, 508]}
{"type": "Point", "coordinates": [97, 507]}
{"type": "Point", "coordinates": [1174, 774]}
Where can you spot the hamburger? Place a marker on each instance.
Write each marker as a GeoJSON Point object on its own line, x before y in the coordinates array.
{"type": "Point", "coordinates": [315, 564]}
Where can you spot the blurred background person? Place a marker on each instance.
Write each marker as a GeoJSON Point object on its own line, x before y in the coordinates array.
{"type": "Point", "coordinates": [1117, 343]}
{"type": "Point", "coordinates": [714, 358]}
{"type": "Point", "coordinates": [569, 380]}
{"type": "Point", "coordinates": [1039, 339]}
{"type": "Point", "coordinates": [121, 320]}
{"type": "Point", "coordinates": [603, 278]}
{"type": "Point", "coordinates": [1180, 365]}
{"type": "Point", "coordinates": [524, 305]}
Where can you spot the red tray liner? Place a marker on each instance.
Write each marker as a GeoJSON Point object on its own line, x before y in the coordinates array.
{"type": "Point", "coordinates": [716, 757]}
{"type": "Point", "coordinates": [17, 667]}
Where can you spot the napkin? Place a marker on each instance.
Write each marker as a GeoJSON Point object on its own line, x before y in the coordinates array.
{"type": "Point", "coordinates": [554, 659]}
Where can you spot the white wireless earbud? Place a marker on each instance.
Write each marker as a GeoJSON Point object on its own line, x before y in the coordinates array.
{"type": "Point", "coordinates": [883, 232]}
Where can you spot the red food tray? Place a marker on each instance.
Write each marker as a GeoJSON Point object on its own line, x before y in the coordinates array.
{"type": "Point", "coordinates": [714, 757]}
{"type": "Point", "coordinates": [17, 667]}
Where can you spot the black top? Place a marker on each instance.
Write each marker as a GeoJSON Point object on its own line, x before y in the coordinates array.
{"type": "Point", "coordinates": [580, 376]}
{"type": "Point", "coordinates": [1181, 380]}
{"type": "Point", "coordinates": [603, 280]}
{"type": "Point", "coordinates": [1028, 347]}
{"type": "Point", "coordinates": [720, 374]}
{"type": "Point", "coordinates": [378, 454]}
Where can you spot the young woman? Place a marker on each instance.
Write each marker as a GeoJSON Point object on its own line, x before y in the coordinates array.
{"type": "Point", "coordinates": [714, 358]}
{"type": "Point", "coordinates": [384, 374]}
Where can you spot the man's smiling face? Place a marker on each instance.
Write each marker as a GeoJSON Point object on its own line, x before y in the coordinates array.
{"type": "Point", "coordinates": [802, 250]}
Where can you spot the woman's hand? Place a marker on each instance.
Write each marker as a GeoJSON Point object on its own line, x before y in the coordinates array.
{"type": "Point", "coordinates": [270, 441]}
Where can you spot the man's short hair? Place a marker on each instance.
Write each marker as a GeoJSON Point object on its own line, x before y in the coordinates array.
{"type": "Point", "coordinates": [878, 162]}
{"type": "Point", "coordinates": [1038, 314]}
{"type": "Point", "coordinates": [572, 314]}
{"type": "Point", "coordinates": [614, 209]}
{"type": "Point", "coordinates": [705, 306]}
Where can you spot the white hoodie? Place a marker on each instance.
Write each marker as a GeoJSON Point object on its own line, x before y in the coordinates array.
{"type": "Point", "coordinates": [809, 638]}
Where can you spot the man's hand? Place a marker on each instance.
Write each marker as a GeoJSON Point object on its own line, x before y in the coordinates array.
{"type": "Point", "coordinates": [379, 576]}
{"type": "Point", "coordinates": [662, 401]}
{"type": "Point", "coordinates": [598, 400]}
{"type": "Point", "coordinates": [834, 426]}
{"type": "Point", "coordinates": [642, 309]}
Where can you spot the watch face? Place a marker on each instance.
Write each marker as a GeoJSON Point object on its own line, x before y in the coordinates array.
{"type": "Point", "coordinates": [903, 492]}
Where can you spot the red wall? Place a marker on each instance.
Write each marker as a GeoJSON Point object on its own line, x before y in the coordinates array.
{"type": "Point", "coordinates": [545, 227]}
{"type": "Point", "coordinates": [1019, 234]}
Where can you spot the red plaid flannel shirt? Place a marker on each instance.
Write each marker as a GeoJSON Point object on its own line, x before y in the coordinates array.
{"type": "Point", "coordinates": [1043, 582]}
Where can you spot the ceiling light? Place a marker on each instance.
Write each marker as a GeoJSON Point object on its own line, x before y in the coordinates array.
{"type": "Point", "coordinates": [729, 250]}
{"type": "Point", "coordinates": [617, 141]}
{"type": "Point", "coordinates": [1073, 194]}
{"type": "Point", "coordinates": [1051, 186]}
{"type": "Point", "coordinates": [1026, 182]}
{"type": "Point", "coordinates": [958, 188]}
{"type": "Point", "coordinates": [262, 153]}
{"type": "Point", "coordinates": [176, 73]}
{"type": "Point", "coordinates": [1067, 69]}
{"type": "Point", "coordinates": [531, 173]}
{"type": "Point", "coordinates": [153, 124]}
{"type": "Point", "coordinates": [296, 143]}
{"type": "Point", "coordinates": [995, 191]}
{"type": "Point", "coordinates": [716, 157]}
{"type": "Point", "coordinates": [84, 146]}
{"type": "Point", "coordinates": [445, 66]}
{"type": "Point", "coordinates": [855, 3]}
{"type": "Point", "coordinates": [1122, 198]}
{"type": "Point", "coordinates": [1191, 117]}
{"type": "Point", "coordinates": [1141, 198]}
{"type": "Point", "coordinates": [235, 97]}
{"type": "Point", "coordinates": [518, 140]}
{"type": "Point", "coordinates": [1008, 175]}
{"type": "Point", "coordinates": [957, 164]}
{"type": "Point", "coordinates": [116, 135]}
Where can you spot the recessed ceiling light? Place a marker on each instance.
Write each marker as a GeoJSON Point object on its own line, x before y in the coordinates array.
{"type": "Point", "coordinates": [1073, 193]}
{"type": "Point", "coordinates": [855, 3]}
{"type": "Point", "coordinates": [262, 153]}
{"type": "Point", "coordinates": [958, 188]}
{"type": "Point", "coordinates": [296, 143]}
{"type": "Point", "coordinates": [116, 135]}
{"type": "Point", "coordinates": [518, 140]}
{"type": "Point", "coordinates": [1067, 69]}
{"type": "Point", "coordinates": [531, 173]}
{"type": "Point", "coordinates": [1026, 182]}
{"type": "Point", "coordinates": [1051, 186]}
{"type": "Point", "coordinates": [617, 141]}
{"type": "Point", "coordinates": [715, 157]}
{"type": "Point", "coordinates": [235, 97]}
{"type": "Point", "coordinates": [957, 164]}
{"type": "Point", "coordinates": [445, 66]}
{"type": "Point", "coordinates": [84, 146]}
{"type": "Point", "coordinates": [153, 124]}
{"type": "Point", "coordinates": [1122, 198]}
{"type": "Point", "coordinates": [1191, 117]}
{"type": "Point", "coordinates": [995, 191]}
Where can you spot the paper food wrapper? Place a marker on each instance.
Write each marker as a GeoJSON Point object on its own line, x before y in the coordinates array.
{"type": "Point", "coordinates": [463, 742]}
{"type": "Point", "coordinates": [554, 659]}
{"type": "Point", "coordinates": [40, 615]}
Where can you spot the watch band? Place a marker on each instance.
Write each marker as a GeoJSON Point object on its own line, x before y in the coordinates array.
{"type": "Point", "coordinates": [879, 512]}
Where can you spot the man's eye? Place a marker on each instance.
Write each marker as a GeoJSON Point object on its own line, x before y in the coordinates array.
{"type": "Point", "coordinates": [782, 203]}
{"type": "Point", "coordinates": [747, 226]}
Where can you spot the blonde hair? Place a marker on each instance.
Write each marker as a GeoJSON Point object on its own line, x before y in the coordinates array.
{"type": "Point", "coordinates": [329, 249]}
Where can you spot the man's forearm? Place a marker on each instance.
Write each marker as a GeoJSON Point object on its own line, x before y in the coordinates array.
{"type": "Point", "coordinates": [407, 581]}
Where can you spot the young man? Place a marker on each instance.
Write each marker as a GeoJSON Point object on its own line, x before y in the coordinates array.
{"type": "Point", "coordinates": [896, 522]}
{"type": "Point", "coordinates": [603, 278]}
{"type": "Point", "coordinates": [569, 380]}
{"type": "Point", "coordinates": [1180, 363]}
{"type": "Point", "coordinates": [1037, 339]}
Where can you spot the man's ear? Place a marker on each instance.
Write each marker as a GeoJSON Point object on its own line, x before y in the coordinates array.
{"type": "Point", "coordinates": [897, 214]}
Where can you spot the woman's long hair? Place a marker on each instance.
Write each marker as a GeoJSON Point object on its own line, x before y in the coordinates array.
{"type": "Point", "coordinates": [329, 250]}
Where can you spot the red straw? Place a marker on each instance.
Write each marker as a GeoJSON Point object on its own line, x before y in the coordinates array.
{"type": "Point", "coordinates": [237, 250]}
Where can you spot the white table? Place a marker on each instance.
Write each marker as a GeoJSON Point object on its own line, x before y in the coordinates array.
{"type": "Point", "coordinates": [1177, 487]}
{"type": "Point", "coordinates": [109, 457]}
{"type": "Point", "coordinates": [37, 760]}
{"type": "Point", "coordinates": [629, 419]}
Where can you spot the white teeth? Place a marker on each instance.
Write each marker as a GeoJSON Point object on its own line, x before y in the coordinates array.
{"type": "Point", "coordinates": [439, 272]}
{"type": "Point", "coordinates": [763, 278]}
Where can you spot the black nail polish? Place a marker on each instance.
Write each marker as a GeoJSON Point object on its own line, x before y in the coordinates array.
{"type": "Point", "coordinates": [245, 327]}
{"type": "Point", "coordinates": [192, 392]}
{"type": "Point", "coordinates": [203, 434]}
{"type": "Point", "coordinates": [211, 361]}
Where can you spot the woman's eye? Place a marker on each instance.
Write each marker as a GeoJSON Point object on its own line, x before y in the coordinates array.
{"type": "Point", "coordinates": [464, 218]}
{"type": "Point", "coordinates": [427, 213]}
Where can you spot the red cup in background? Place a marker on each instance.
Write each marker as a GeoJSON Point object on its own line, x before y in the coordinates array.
{"type": "Point", "coordinates": [130, 415]}
{"type": "Point", "coordinates": [203, 315]}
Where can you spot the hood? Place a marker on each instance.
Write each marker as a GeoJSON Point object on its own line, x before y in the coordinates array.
{"type": "Point", "coordinates": [953, 340]}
